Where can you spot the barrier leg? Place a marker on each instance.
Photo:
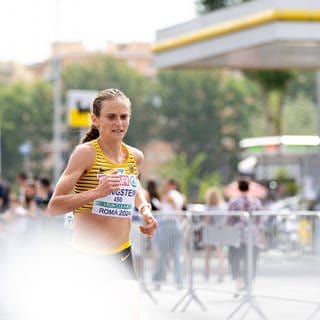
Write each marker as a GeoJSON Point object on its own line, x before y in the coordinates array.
{"type": "Point", "coordinates": [242, 303]}
{"type": "Point", "coordinates": [191, 292]}
{"type": "Point", "coordinates": [313, 314]}
{"type": "Point", "coordinates": [148, 292]}
{"type": "Point", "coordinates": [142, 269]}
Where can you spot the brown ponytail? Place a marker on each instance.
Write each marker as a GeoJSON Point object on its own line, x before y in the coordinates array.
{"type": "Point", "coordinates": [91, 134]}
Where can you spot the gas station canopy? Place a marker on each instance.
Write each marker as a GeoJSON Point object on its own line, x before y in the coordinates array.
{"type": "Point", "coordinates": [260, 34]}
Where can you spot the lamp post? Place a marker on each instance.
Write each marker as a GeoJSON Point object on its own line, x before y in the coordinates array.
{"type": "Point", "coordinates": [316, 219]}
{"type": "Point", "coordinates": [57, 103]}
{"type": "Point", "coordinates": [0, 144]}
{"type": "Point", "coordinates": [318, 99]}
{"type": "Point", "coordinates": [57, 119]}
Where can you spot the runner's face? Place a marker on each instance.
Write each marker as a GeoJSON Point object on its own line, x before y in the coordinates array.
{"type": "Point", "coordinates": [114, 119]}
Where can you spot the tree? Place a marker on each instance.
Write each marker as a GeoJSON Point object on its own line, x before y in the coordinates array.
{"type": "Point", "coordinates": [273, 83]}
{"type": "Point", "coordinates": [100, 72]}
{"type": "Point", "coordinates": [26, 115]}
{"type": "Point", "coordinates": [197, 111]}
{"type": "Point", "coordinates": [300, 116]}
{"type": "Point", "coordinates": [211, 5]}
{"type": "Point", "coordinates": [303, 84]}
{"type": "Point", "coordinates": [204, 111]}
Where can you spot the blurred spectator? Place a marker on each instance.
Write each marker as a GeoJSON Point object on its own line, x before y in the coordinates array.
{"type": "Point", "coordinates": [153, 195]}
{"type": "Point", "coordinates": [21, 180]}
{"type": "Point", "coordinates": [29, 201]}
{"type": "Point", "coordinates": [169, 235]}
{"type": "Point", "coordinates": [238, 255]}
{"type": "Point", "coordinates": [214, 201]}
{"type": "Point", "coordinates": [14, 215]}
{"type": "Point", "coordinates": [4, 195]}
{"type": "Point", "coordinates": [44, 192]}
{"type": "Point", "coordinates": [138, 241]}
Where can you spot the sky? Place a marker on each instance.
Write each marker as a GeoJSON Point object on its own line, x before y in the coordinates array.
{"type": "Point", "coordinates": [28, 27]}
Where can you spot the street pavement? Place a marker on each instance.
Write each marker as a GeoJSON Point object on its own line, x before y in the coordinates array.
{"type": "Point", "coordinates": [220, 306]}
{"type": "Point", "coordinates": [286, 287]}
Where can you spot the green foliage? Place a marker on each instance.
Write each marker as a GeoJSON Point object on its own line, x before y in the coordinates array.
{"type": "Point", "coordinates": [190, 110]}
{"type": "Point", "coordinates": [271, 80]}
{"type": "Point", "coordinates": [273, 85]}
{"type": "Point", "coordinates": [198, 111]}
{"type": "Point", "coordinates": [202, 113]}
{"type": "Point", "coordinates": [281, 174]}
{"type": "Point", "coordinates": [303, 84]}
{"type": "Point", "coordinates": [299, 113]}
{"type": "Point", "coordinates": [206, 112]}
{"type": "Point", "coordinates": [241, 99]}
{"type": "Point", "coordinates": [188, 174]}
{"type": "Point", "coordinates": [185, 172]}
{"type": "Point", "coordinates": [210, 180]}
{"type": "Point", "coordinates": [25, 115]}
{"type": "Point", "coordinates": [287, 187]}
{"type": "Point", "coordinates": [101, 72]}
{"type": "Point", "coordinates": [300, 116]}
{"type": "Point", "coordinates": [211, 5]}
{"type": "Point", "coordinates": [291, 188]}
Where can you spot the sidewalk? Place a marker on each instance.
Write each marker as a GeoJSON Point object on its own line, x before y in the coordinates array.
{"type": "Point", "coordinates": [285, 288]}
{"type": "Point", "coordinates": [219, 306]}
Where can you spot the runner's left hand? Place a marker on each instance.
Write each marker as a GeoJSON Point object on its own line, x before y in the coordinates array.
{"type": "Point", "coordinates": [151, 224]}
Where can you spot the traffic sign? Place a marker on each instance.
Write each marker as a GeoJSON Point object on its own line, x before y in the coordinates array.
{"type": "Point", "coordinates": [79, 103]}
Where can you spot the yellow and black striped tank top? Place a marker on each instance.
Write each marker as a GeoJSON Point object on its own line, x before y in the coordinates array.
{"type": "Point", "coordinates": [102, 165]}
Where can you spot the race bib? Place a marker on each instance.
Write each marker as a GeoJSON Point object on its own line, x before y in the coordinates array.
{"type": "Point", "coordinates": [119, 203]}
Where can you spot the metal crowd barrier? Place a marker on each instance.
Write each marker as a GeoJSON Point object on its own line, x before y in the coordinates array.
{"type": "Point", "coordinates": [288, 266]}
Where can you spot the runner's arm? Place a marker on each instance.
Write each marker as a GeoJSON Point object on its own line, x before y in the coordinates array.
{"type": "Point", "coordinates": [63, 200]}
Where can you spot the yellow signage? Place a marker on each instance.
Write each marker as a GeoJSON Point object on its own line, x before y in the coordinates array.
{"type": "Point", "coordinates": [79, 102]}
{"type": "Point", "coordinates": [79, 119]}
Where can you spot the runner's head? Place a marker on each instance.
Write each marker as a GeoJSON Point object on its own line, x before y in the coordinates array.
{"type": "Point", "coordinates": [99, 103]}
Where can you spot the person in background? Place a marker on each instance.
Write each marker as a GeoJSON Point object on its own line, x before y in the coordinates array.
{"type": "Point", "coordinates": [15, 209]}
{"type": "Point", "coordinates": [214, 201]}
{"type": "Point", "coordinates": [29, 200]}
{"type": "Point", "coordinates": [170, 234]}
{"type": "Point", "coordinates": [4, 195]}
{"type": "Point", "coordinates": [44, 192]}
{"type": "Point", "coordinates": [21, 180]}
{"type": "Point", "coordinates": [153, 195]}
{"type": "Point", "coordinates": [138, 242]}
{"type": "Point", "coordinates": [238, 255]}
{"type": "Point", "coordinates": [48, 228]}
